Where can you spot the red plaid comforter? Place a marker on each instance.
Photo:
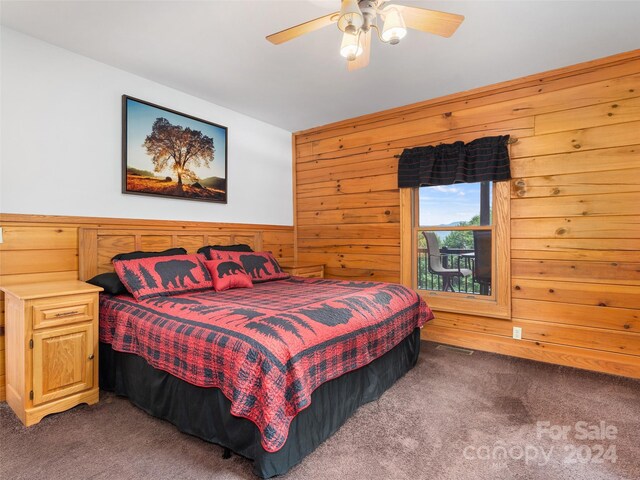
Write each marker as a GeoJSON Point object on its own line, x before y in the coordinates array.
{"type": "Point", "coordinates": [266, 348]}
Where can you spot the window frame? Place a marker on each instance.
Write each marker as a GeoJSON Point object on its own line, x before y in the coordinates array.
{"type": "Point", "coordinates": [496, 305]}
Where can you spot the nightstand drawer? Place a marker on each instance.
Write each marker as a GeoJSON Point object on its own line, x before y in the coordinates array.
{"type": "Point", "coordinates": [62, 310]}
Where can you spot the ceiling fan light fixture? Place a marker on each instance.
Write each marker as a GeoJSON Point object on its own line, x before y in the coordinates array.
{"type": "Point", "coordinates": [358, 18]}
{"type": "Point", "coordinates": [350, 48]}
{"type": "Point", "coordinates": [394, 28]}
{"type": "Point", "coordinates": [350, 19]}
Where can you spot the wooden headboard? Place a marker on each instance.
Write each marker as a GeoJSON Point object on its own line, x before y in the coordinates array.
{"type": "Point", "coordinates": [98, 245]}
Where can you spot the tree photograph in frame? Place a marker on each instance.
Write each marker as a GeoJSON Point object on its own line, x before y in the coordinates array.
{"type": "Point", "coordinates": [171, 154]}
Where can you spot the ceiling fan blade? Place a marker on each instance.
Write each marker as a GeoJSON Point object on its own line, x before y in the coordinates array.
{"type": "Point", "coordinates": [430, 21]}
{"type": "Point", "coordinates": [307, 27]}
{"type": "Point", "coordinates": [363, 59]}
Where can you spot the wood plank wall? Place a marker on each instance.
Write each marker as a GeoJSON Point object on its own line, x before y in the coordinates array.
{"type": "Point", "coordinates": [46, 248]}
{"type": "Point", "coordinates": [575, 207]}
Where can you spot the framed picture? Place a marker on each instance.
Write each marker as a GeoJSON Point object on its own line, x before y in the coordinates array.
{"type": "Point", "coordinates": [170, 154]}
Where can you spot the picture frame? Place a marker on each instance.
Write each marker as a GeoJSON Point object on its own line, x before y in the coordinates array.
{"type": "Point", "coordinates": [166, 153]}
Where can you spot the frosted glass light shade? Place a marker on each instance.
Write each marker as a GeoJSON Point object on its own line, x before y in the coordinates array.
{"type": "Point", "coordinates": [350, 19]}
{"type": "Point", "coordinates": [350, 47]}
{"type": "Point", "coordinates": [394, 28]}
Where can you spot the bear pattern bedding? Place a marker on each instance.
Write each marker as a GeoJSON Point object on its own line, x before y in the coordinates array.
{"type": "Point", "coordinates": [267, 348]}
{"type": "Point", "coordinates": [158, 276]}
{"type": "Point", "coordinates": [262, 266]}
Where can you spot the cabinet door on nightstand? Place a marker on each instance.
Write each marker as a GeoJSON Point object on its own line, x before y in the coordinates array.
{"type": "Point", "coordinates": [62, 362]}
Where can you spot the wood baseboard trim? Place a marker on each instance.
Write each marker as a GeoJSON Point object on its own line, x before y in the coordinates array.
{"type": "Point", "coordinates": [582, 358]}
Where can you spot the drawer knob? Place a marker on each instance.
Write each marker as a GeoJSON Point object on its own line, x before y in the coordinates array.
{"type": "Point", "coordinates": [91, 357]}
{"type": "Point", "coordinates": [66, 314]}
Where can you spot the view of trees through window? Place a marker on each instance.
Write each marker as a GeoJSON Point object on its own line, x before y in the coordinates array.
{"type": "Point", "coordinates": [455, 237]}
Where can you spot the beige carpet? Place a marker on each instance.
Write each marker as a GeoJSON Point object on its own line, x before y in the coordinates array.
{"type": "Point", "coordinates": [452, 417]}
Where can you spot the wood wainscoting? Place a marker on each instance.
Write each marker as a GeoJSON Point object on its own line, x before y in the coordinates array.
{"type": "Point", "coordinates": [575, 207]}
{"type": "Point", "coordinates": [40, 248]}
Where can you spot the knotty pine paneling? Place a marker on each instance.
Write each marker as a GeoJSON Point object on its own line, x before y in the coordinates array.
{"type": "Point", "coordinates": [45, 248]}
{"type": "Point", "coordinates": [561, 79]}
{"type": "Point", "coordinates": [610, 295]}
{"type": "Point", "coordinates": [575, 207]}
{"type": "Point", "coordinates": [572, 184]}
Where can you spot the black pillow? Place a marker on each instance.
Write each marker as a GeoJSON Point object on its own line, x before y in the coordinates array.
{"type": "Point", "coordinates": [138, 254]}
{"type": "Point", "coordinates": [241, 247]}
{"type": "Point", "coordinates": [110, 282]}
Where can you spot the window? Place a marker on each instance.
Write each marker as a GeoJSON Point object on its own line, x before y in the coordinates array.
{"type": "Point", "coordinates": [454, 238]}
{"type": "Point", "coordinates": [455, 246]}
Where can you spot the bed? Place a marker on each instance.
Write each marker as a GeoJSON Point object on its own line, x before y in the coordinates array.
{"type": "Point", "coordinates": [268, 373]}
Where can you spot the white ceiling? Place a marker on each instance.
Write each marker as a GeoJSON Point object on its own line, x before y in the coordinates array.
{"type": "Point", "coordinates": [216, 50]}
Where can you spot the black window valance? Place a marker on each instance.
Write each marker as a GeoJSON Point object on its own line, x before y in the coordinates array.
{"type": "Point", "coordinates": [484, 159]}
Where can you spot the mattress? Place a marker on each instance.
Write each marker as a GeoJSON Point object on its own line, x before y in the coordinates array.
{"type": "Point", "coordinates": [268, 372]}
{"type": "Point", "coordinates": [267, 348]}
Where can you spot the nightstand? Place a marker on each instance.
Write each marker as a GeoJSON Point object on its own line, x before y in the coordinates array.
{"type": "Point", "coordinates": [304, 269]}
{"type": "Point", "coordinates": [51, 334]}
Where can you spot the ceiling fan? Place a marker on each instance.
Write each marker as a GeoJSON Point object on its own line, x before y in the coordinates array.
{"type": "Point", "coordinates": [357, 18]}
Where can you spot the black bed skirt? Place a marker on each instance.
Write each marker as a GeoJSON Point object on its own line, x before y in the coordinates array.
{"type": "Point", "coordinates": [205, 412]}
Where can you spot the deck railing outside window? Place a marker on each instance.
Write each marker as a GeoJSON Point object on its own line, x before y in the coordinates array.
{"type": "Point", "coordinates": [463, 284]}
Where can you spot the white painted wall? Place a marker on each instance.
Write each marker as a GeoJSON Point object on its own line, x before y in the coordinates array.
{"type": "Point", "coordinates": [61, 143]}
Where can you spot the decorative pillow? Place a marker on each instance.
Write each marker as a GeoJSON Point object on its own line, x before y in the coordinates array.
{"type": "Point", "coordinates": [240, 247]}
{"type": "Point", "coordinates": [110, 282]}
{"type": "Point", "coordinates": [140, 254]}
{"type": "Point", "coordinates": [227, 274]}
{"type": "Point", "coordinates": [261, 266]}
{"type": "Point", "coordinates": [160, 276]}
